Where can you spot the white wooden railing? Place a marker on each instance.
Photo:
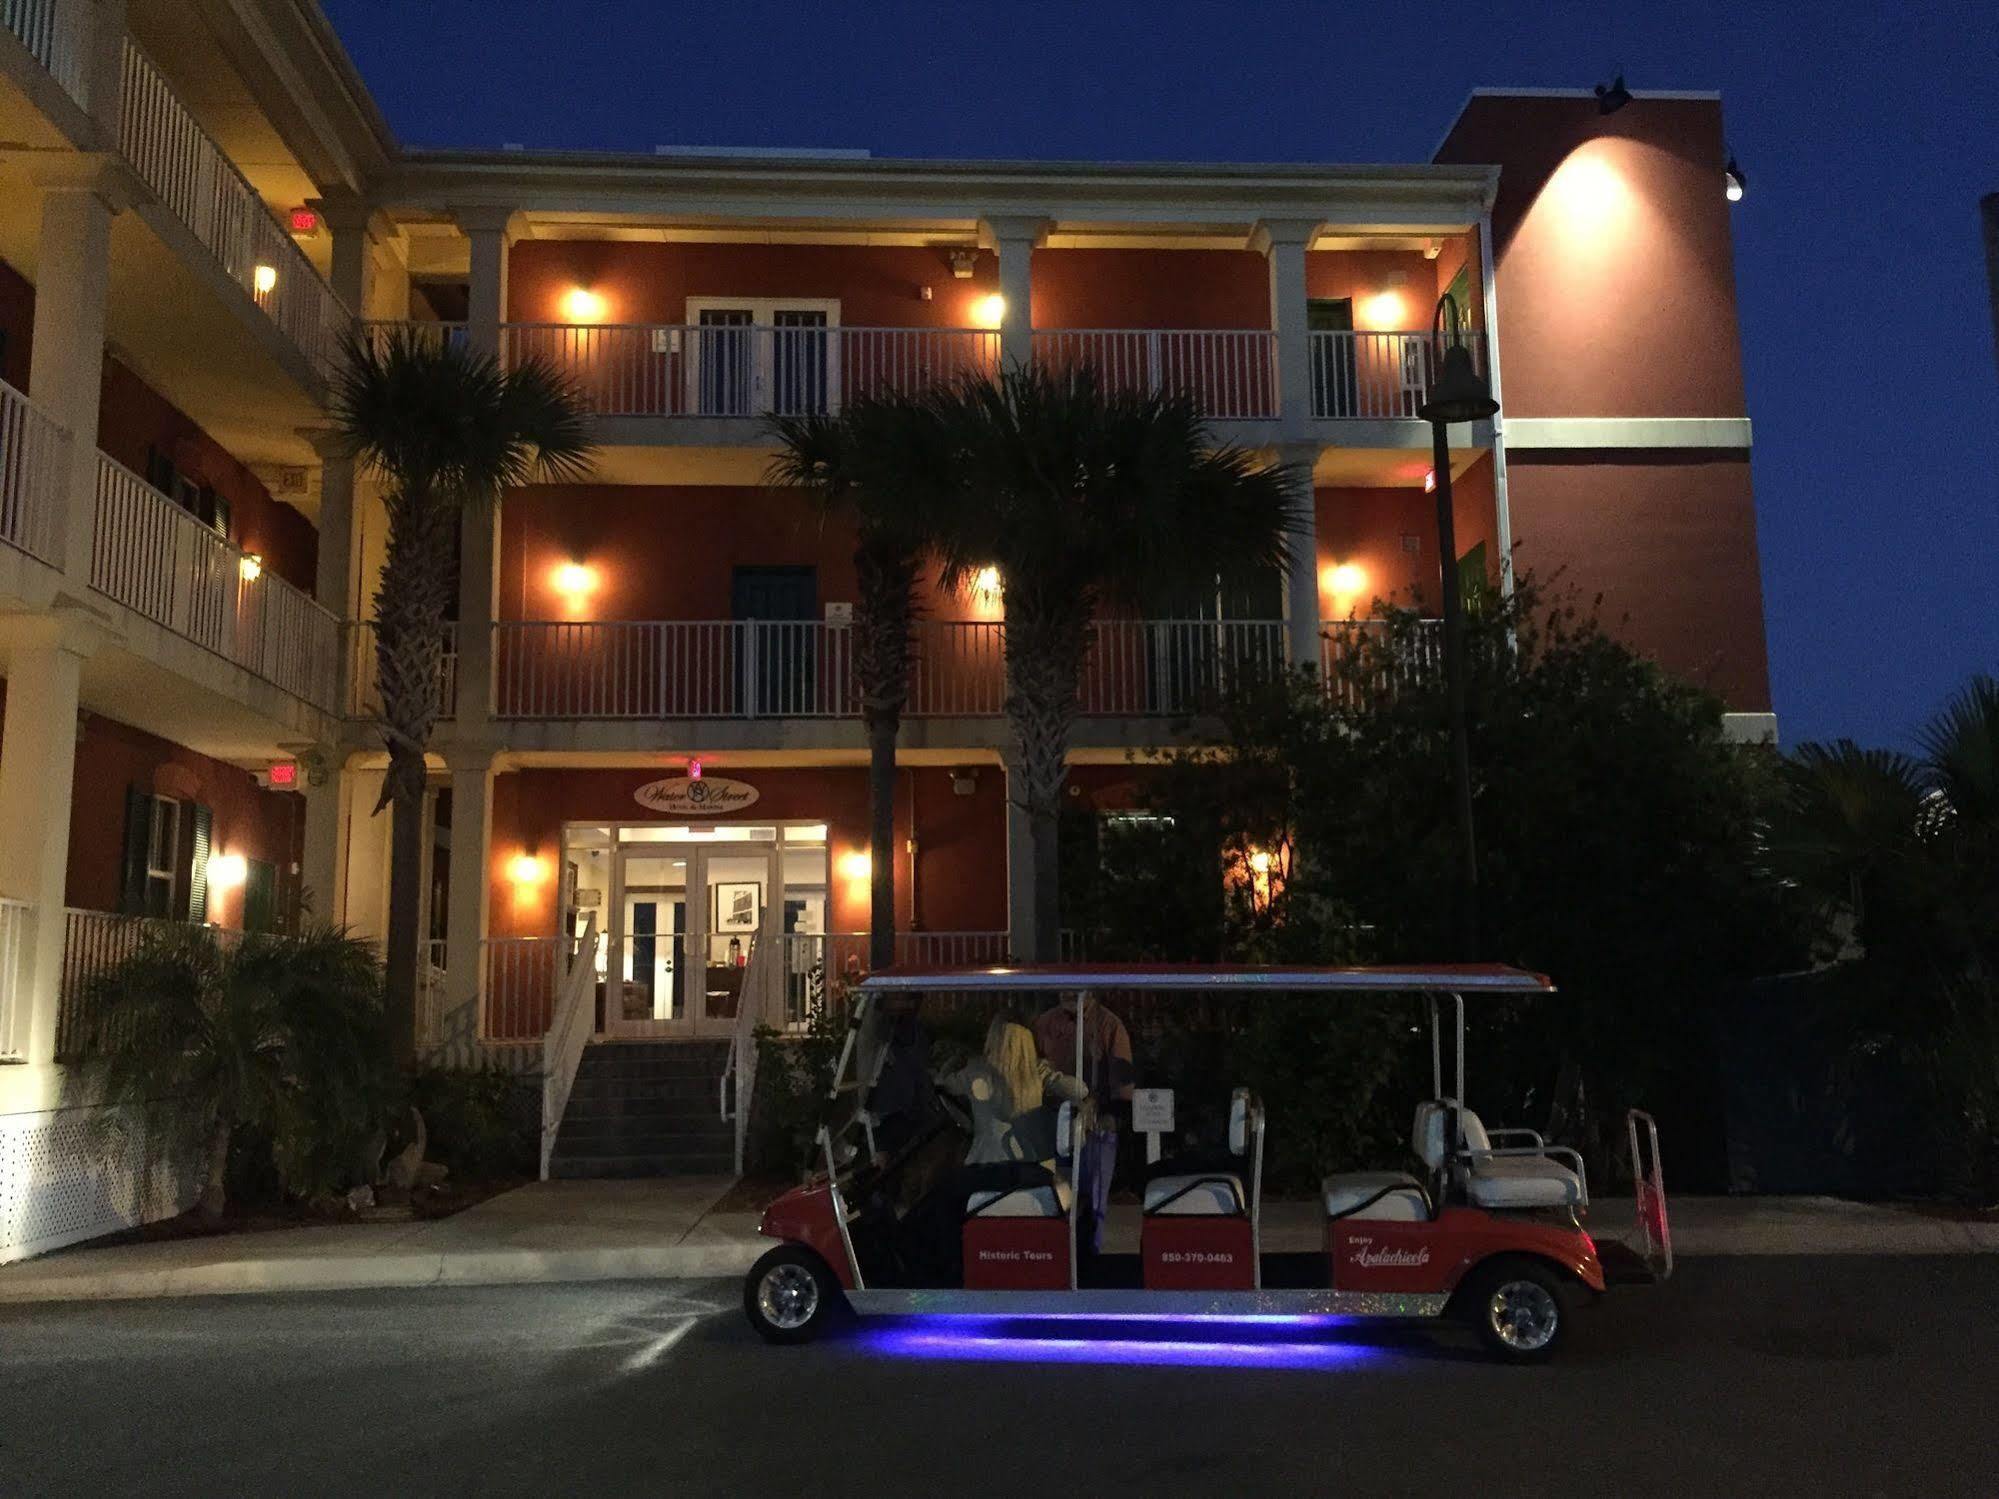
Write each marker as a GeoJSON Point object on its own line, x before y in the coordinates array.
{"type": "Point", "coordinates": [16, 925]}
{"type": "Point", "coordinates": [34, 476]}
{"type": "Point", "coordinates": [164, 563]}
{"type": "Point", "coordinates": [57, 33]}
{"type": "Point", "coordinates": [570, 1027]}
{"type": "Point", "coordinates": [1231, 372]}
{"type": "Point", "coordinates": [426, 332]}
{"type": "Point", "coordinates": [659, 669]}
{"type": "Point", "coordinates": [1377, 376]}
{"type": "Point", "coordinates": [182, 164]}
{"type": "Point", "coordinates": [522, 979]}
{"type": "Point", "coordinates": [642, 369]}
{"type": "Point", "coordinates": [1419, 659]}
{"type": "Point", "coordinates": [364, 699]}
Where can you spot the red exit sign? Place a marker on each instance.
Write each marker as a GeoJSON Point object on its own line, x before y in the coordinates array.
{"type": "Point", "coordinates": [282, 776]}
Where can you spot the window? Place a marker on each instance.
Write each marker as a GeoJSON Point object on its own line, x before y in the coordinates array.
{"type": "Point", "coordinates": [162, 856]}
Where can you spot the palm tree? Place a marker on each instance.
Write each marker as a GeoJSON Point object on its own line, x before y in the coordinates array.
{"type": "Point", "coordinates": [873, 463]}
{"type": "Point", "coordinates": [201, 1039]}
{"type": "Point", "coordinates": [447, 429]}
{"type": "Point", "coordinates": [1081, 496]}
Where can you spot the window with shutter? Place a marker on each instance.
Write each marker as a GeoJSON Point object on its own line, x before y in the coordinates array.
{"type": "Point", "coordinates": [138, 843]}
{"type": "Point", "coordinates": [197, 875]}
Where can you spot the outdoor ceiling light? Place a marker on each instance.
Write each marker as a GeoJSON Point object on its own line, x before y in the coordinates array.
{"type": "Point", "coordinates": [1734, 183]}
{"type": "Point", "coordinates": [1613, 98]}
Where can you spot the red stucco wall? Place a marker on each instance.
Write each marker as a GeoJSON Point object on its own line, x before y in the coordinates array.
{"type": "Point", "coordinates": [1669, 541]}
{"type": "Point", "coordinates": [1366, 527]}
{"type": "Point", "coordinates": [1616, 271]}
{"type": "Point", "coordinates": [111, 757]}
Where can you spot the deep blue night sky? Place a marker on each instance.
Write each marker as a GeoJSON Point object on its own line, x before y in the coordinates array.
{"type": "Point", "coordinates": [1867, 141]}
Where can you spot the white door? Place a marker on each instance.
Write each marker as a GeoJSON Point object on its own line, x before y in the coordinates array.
{"type": "Point", "coordinates": [754, 355]}
{"type": "Point", "coordinates": [685, 919]}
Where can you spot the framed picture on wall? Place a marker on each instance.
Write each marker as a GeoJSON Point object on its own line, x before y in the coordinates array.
{"type": "Point", "coordinates": [737, 906]}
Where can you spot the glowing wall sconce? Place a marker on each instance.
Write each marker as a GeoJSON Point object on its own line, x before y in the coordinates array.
{"type": "Point", "coordinates": [1430, 481]}
{"type": "Point", "coordinates": [526, 871]}
{"type": "Point", "coordinates": [265, 279]}
{"type": "Point", "coordinates": [1384, 309]}
{"type": "Point", "coordinates": [575, 579]}
{"type": "Point", "coordinates": [989, 311]}
{"type": "Point", "coordinates": [988, 588]}
{"type": "Point", "coordinates": [251, 567]}
{"type": "Point", "coordinates": [582, 305]}
{"type": "Point", "coordinates": [856, 866]}
{"type": "Point", "coordinates": [227, 871]}
{"type": "Point", "coordinates": [1345, 580]}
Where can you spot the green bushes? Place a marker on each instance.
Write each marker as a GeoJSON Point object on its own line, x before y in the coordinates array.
{"type": "Point", "coordinates": [484, 1124]}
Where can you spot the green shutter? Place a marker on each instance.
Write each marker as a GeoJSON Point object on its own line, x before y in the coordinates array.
{"type": "Point", "coordinates": [138, 834]}
{"type": "Point", "coordinates": [260, 896]}
{"type": "Point", "coordinates": [197, 874]}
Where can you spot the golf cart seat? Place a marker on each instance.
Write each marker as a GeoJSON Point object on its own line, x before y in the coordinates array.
{"type": "Point", "coordinates": [1391, 1196]}
{"type": "Point", "coordinates": [1051, 1201]}
{"type": "Point", "coordinates": [1498, 1177]}
{"type": "Point", "coordinates": [1196, 1195]}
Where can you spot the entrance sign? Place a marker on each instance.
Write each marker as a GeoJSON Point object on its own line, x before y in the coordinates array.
{"type": "Point", "coordinates": [703, 796]}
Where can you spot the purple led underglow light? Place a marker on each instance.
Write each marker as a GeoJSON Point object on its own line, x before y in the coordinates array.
{"type": "Point", "coordinates": [924, 1341]}
{"type": "Point", "coordinates": [977, 1320]}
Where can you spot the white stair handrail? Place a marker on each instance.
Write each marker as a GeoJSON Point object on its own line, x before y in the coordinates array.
{"type": "Point", "coordinates": [568, 1030]}
{"type": "Point", "coordinates": [754, 1007]}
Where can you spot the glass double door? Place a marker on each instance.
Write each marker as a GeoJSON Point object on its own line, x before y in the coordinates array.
{"type": "Point", "coordinates": [685, 919]}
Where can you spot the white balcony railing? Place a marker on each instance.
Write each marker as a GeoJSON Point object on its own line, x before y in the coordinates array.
{"type": "Point", "coordinates": [1420, 658]}
{"type": "Point", "coordinates": [57, 34]}
{"type": "Point", "coordinates": [364, 698]}
{"type": "Point", "coordinates": [521, 977]}
{"type": "Point", "coordinates": [34, 475]}
{"type": "Point", "coordinates": [1230, 372]}
{"type": "Point", "coordinates": [745, 370]}
{"type": "Point", "coordinates": [1374, 376]}
{"type": "Point", "coordinates": [181, 162]}
{"type": "Point", "coordinates": [663, 669]}
{"type": "Point", "coordinates": [94, 942]}
{"type": "Point", "coordinates": [16, 925]}
{"type": "Point", "coordinates": [164, 563]}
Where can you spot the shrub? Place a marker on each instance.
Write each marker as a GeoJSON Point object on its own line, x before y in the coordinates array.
{"type": "Point", "coordinates": [483, 1123]}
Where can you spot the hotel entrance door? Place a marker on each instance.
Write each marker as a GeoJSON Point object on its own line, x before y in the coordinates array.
{"type": "Point", "coordinates": [684, 920]}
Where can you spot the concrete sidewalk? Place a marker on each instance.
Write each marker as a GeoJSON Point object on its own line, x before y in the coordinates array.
{"type": "Point", "coordinates": [669, 1229]}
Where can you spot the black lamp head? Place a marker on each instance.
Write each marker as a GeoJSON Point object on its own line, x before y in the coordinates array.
{"type": "Point", "coordinates": [1734, 183]}
{"type": "Point", "coordinates": [1459, 394]}
{"type": "Point", "coordinates": [1610, 99]}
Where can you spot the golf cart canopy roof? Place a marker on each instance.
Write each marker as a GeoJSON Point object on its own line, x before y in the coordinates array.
{"type": "Point", "coordinates": [1449, 978]}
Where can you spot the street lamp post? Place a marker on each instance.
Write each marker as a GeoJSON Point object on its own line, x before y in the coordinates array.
{"type": "Point", "coordinates": [1457, 394]}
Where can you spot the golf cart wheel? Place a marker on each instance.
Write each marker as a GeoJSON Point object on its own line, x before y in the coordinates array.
{"type": "Point", "coordinates": [789, 1295]}
{"type": "Point", "coordinates": [1520, 1308]}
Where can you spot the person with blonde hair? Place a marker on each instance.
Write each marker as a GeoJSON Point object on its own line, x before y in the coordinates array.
{"type": "Point", "coordinates": [1009, 1087]}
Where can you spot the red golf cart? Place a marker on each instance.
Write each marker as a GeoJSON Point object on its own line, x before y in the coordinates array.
{"type": "Point", "coordinates": [1488, 1227]}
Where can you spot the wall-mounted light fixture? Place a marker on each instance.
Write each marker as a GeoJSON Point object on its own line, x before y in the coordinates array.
{"type": "Point", "coordinates": [989, 311]}
{"type": "Point", "coordinates": [1346, 580]}
{"type": "Point", "coordinates": [251, 567]}
{"type": "Point", "coordinates": [856, 866]}
{"type": "Point", "coordinates": [265, 279]}
{"type": "Point", "coordinates": [526, 870]}
{"type": "Point", "coordinates": [988, 589]}
{"type": "Point", "coordinates": [227, 871]}
{"type": "Point", "coordinates": [1612, 97]}
{"type": "Point", "coordinates": [575, 579]}
{"type": "Point", "coordinates": [582, 305]}
{"type": "Point", "coordinates": [962, 263]}
{"type": "Point", "coordinates": [1734, 183]}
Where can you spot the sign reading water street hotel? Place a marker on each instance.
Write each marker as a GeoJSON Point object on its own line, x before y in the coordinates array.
{"type": "Point", "coordinates": [707, 796]}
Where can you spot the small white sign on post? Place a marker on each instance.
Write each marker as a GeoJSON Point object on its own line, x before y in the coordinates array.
{"type": "Point", "coordinates": [1152, 1116]}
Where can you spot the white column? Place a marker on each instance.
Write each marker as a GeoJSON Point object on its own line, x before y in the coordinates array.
{"type": "Point", "coordinates": [478, 559]}
{"type": "Point", "coordinates": [471, 876]}
{"type": "Point", "coordinates": [1015, 238]}
{"type": "Point", "coordinates": [1283, 242]}
{"type": "Point", "coordinates": [1020, 889]}
{"type": "Point", "coordinates": [364, 899]}
{"type": "Point", "coordinates": [329, 798]}
{"type": "Point", "coordinates": [37, 777]}
{"type": "Point", "coordinates": [105, 70]}
{"type": "Point", "coordinates": [1301, 573]}
{"type": "Point", "coordinates": [80, 195]}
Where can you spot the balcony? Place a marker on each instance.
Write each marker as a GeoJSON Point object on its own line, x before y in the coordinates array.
{"type": "Point", "coordinates": [162, 563]}
{"type": "Point", "coordinates": [205, 192]}
{"type": "Point", "coordinates": [1373, 376]}
{"type": "Point", "coordinates": [1231, 372]}
{"type": "Point", "coordinates": [1419, 661]}
{"type": "Point", "coordinates": [57, 35]}
{"type": "Point", "coordinates": [34, 470]}
{"type": "Point", "coordinates": [804, 669]}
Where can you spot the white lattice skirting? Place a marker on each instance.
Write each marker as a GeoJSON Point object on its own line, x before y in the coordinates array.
{"type": "Point", "coordinates": [75, 1173]}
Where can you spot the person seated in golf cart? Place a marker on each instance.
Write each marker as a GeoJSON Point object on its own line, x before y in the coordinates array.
{"type": "Point", "coordinates": [1013, 1092]}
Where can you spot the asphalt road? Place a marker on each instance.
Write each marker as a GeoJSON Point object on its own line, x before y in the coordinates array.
{"type": "Point", "coordinates": [1821, 1376]}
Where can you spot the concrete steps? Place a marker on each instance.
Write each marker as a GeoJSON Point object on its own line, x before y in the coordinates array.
{"type": "Point", "coordinates": [650, 1108]}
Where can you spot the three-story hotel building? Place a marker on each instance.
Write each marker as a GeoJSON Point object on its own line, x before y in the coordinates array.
{"type": "Point", "coordinates": [652, 724]}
